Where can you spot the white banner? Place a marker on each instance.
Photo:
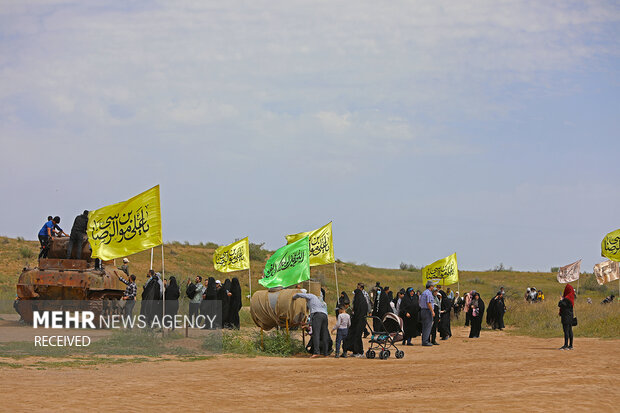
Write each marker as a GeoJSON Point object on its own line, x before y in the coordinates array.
{"type": "Point", "coordinates": [569, 273]}
{"type": "Point", "coordinates": [607, 271]}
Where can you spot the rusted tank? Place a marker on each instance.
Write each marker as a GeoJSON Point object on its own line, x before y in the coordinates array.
{"type": "Point", "coordinates": [68, 284]}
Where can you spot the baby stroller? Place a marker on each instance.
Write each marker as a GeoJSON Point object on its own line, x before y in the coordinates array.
{"type": "Point", "coordinates": [383, 341]}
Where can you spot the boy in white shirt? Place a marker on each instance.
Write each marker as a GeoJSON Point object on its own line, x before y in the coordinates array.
{"type": "Point", "coordinates": [342, 329]}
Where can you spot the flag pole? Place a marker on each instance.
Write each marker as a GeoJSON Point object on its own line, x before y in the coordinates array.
{"type": "Point", "coordinates": [578, 286]}
{"type": "Point", "coordinates": [151, 258]}
{"type": "Point", "coordinates": [336, 275]}
{"type": "Point", "coordinates": [163, 294]}
{"type": "Point", "coordinates": [250, 280]}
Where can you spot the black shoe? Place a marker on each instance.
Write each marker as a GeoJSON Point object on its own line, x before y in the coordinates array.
{"type": "Point", "coordinates": [563, 348]}
{"type": "Point", "coordinates": [409, 344]}
{"type": "Point", "coordinates": [427, 345]}
{"type": "Point", "coordinates": [434, 343]}
{"type": "Point", "coordinates": [569, 348]}
{"type": "Point", "coordinates": [445, 338]}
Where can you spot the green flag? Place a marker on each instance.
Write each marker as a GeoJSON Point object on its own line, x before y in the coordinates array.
{"type": "Point", "coordinates": [288, 265]}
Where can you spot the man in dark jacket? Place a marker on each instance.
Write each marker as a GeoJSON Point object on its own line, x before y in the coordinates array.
{"type": "Point", "coordinates": [78, 235]}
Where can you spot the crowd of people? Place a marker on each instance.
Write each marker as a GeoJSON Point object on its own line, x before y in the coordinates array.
{"type": "Point", "coordinates": [426, 314]}
{"type": "Point", "coordinates": [532, 295]}
{"type": "Point", "coordinates": [158, 292]}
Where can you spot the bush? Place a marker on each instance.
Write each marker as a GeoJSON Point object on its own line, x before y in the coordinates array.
{"type": "Point", "coordinates": [500, 267]}
{"type": "Point", "coordinates": [213, 245]}
{"type": "Point", "coordinates": [554, 269]}
{"type": "Point", "coordinates": [476, 281]}
{"type": "Point", "coordinates": [26, 252]}
{"type": "Point", "coordinates": [257, 253]}
{"type": "Point", "coordinates": [408, 267]}
{"type": "Point", "coordinates": [589, 283]}
{"type": "Point", "coordinates": [275, 343]}
{"type": "Point", "coordinates": [20, 239]}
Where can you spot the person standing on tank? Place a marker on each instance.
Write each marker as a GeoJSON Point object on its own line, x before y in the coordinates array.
{"type": "Point", "coordinates": [45, 235]}
{"type": "Point", "coordinates": [78, 235]}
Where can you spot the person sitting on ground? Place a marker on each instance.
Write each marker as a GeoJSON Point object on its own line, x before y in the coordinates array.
{"type": "Point", "coordinates": [342, 330]}
{"type": "Point", "coordinates": [608, 300]}
{"type": "Point", "coordinates": [318, 317]}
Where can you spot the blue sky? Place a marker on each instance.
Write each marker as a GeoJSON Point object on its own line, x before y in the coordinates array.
{"type": "Point", "coordinates": [420, 128]}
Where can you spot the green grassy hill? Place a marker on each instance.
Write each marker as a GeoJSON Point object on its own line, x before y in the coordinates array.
{"type": "Point", "coordinates": [184, 260]}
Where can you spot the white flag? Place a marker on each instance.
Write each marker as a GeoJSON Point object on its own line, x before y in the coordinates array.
{"type": "Point", "coordinates": [569, 273]}
{"type": "Point", "coordinates": [607, 271]}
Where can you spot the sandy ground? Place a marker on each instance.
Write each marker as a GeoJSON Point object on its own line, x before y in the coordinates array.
{"type": "Point", "coordinates": [496, 372]}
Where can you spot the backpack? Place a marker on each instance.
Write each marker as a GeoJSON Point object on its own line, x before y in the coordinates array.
{"type": "Point", "coordinates": [191, 291]}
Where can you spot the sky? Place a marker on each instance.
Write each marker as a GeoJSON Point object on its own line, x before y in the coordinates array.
{"type": "Point", "coordinates": [486, 128]}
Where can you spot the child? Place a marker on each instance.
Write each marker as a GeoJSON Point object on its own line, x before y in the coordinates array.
{"type": "Point", "coordinates": [342, 327]}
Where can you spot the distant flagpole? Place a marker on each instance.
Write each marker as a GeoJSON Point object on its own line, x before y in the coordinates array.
{"type": "Point", "coordinates": [163, 294]}
{"type": "Point", "coordinates": [250, 280]}
{"type": "Point", "coordinates": [151, 258]}
{"type": "Point", "coordinates": [336, 275]}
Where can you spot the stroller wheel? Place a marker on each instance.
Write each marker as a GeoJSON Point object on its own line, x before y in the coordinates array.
{"type": "Point", "coordinates": [381, 355]}
{"type": "Point", "coordinates": [386, 354]}
{"type": "Point", "coordinates": [370, 354]}
{"type": "Point", "coordinates": [400, 354]}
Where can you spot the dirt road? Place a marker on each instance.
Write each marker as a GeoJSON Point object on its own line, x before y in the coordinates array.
{"type": "Point", "coordinates": [496, 372]}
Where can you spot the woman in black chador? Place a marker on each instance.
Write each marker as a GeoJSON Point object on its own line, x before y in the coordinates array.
{"type": "Point", "coordinates": [223, 295]}
{"type": "Point", "coordinates": [353, 341]}
{"type": "Point", "coordinates": [151, 299]}
{"type": "Point", "coordinates": [209, 296]}
{"type": "Point", "coordinates": [234, 304]}
{"type": "Point", "coordinates": [410, 313]}
{"type": "Point", "coordinates": [445, 332]}
{"type": "Point", "coordinates": [343, 301]}
{"type": "Point", "coordinates": [172, 299]}
{"type": "Point", "coordinates": [495, 312]}
{"type": "Point", "coordinates": [476, 309]}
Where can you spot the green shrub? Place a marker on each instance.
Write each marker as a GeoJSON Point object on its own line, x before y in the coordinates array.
{"type": "Point", "coordinates": [25, 252]}
{"type": "Point", "coordinates": [588, 283]}
{"type": "Point", "coordinates": [20, 239]}
{"type": "Point", "coordinates": [409, 267]}
{"type": "Point", "coordinates": [275, 343]}
{"type": "Point", "coordinates": [257, 253]}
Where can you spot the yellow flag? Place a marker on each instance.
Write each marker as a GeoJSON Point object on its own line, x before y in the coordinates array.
{"type": "Point", "coordinates": [127, 227]}
{"type": "Point", "coordinates": [610, 246]}
{"type": "Point", "coordinates": [444, 271]}
{"type": "Point", "coordinates": [233, 257]}
{"type": "Point", "coordinates": [321, 244]}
